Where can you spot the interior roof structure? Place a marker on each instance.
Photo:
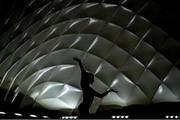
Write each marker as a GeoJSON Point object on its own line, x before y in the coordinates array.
{"type": "Point", "coordinates": [121, 47]}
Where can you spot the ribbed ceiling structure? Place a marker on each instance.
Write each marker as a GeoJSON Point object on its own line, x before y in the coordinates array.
{"type": "Point", "coordinates": [124, 50]}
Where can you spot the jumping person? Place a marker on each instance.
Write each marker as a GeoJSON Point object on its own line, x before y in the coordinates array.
{"type": "Point", "coordinates": [88, 92]}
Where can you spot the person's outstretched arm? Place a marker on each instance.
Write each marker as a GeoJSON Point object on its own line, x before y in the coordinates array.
{"type": "Point", "coordinates": [103, 94]}
{"type": "Point", "coordinates": [80, 64]}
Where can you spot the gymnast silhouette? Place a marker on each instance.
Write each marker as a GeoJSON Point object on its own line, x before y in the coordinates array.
{"type": "Point", "coordinates": [88, 92]}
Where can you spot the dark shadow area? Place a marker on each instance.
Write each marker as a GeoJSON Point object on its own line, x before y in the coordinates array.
{"type": "Point", "coordinates": [158, 110]}
{"type": "Point", "coordinates": [164, 14]}
{"type": "Point", "coordinates": [152, 111]}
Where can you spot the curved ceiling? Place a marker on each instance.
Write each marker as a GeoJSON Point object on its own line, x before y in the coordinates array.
{"type": "Point", "coordinates": [123, 49]}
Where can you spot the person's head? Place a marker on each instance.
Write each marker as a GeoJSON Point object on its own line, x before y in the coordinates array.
{"type": "Point", "coordinates": [90, 78]}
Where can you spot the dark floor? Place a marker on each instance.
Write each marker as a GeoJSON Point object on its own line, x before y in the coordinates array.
{"type": "Point", "coordinates": [160, 110]}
